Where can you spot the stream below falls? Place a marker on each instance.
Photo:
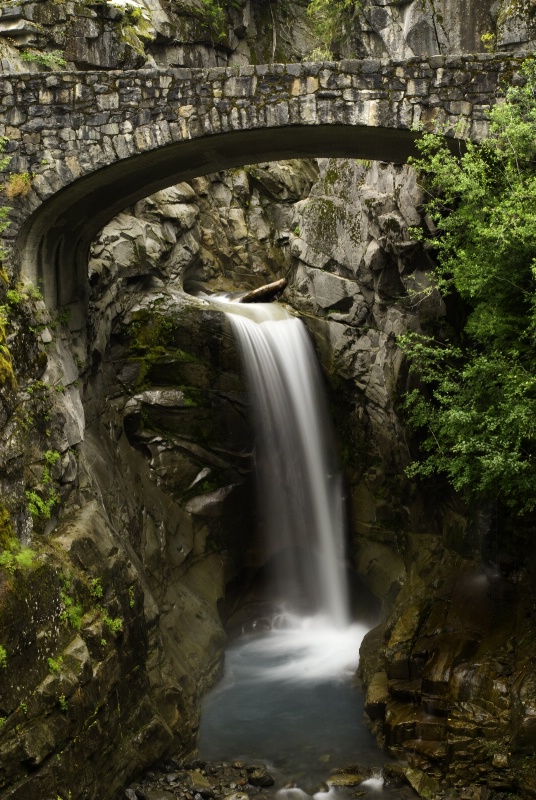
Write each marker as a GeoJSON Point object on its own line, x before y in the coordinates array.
{"type": "Point", "coordinates": [288, 699]}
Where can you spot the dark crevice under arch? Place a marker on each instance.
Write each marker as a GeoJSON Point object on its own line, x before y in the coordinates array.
{"type": "Point", "coordinates": [53, 244]}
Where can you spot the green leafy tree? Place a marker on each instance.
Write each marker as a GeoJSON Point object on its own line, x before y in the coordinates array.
{"type": "Point", "coordinates": [476, 403]}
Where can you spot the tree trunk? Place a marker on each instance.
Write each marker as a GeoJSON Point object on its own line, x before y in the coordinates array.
{"type": "Point", "coordinates": [265, 294]}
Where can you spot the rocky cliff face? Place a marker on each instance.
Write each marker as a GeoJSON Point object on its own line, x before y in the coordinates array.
{"type": "Point", "coordinates": [37, 34]}
{"type": "Point", "coordinates": [110, 625]}
{"type": "Point", "coordinates": [136, 501]}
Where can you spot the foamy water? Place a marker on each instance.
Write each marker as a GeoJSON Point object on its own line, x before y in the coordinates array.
{"type": "Point", "coordinates": [297, 650]}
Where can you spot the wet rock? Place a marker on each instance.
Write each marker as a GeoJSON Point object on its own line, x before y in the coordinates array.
{"type": "Point", "coordinates": [424, 785]}
{"type": "Point", "coordinates": [433, 751]}
{"type": "Point", "coordinates": [377, 696]}
{"type": "Point", "coordinates": [198, 781]}
{"type": "Point", "coordinates": [345, 779]}
{"type": "Point", "coordinates": [258, 776]}
{"type": "Point", "coordinates": [139, 792]}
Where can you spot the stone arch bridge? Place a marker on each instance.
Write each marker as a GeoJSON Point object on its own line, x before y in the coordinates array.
{"type": "Point", "coordinates": [95, 142]}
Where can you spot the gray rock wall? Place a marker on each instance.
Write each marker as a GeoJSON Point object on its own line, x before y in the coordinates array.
{"type": "Point", "coordinates": [151, 521]}
{"type": "Point", "coordinates": [416, 28]}
{"type": "Point", "coordinates": [151, 32]}
{"type": "Point", "coordinates": [339, 231]}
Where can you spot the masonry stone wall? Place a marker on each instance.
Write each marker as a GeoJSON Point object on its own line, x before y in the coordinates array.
{"type": "Point", "coordinates": [94, 142]}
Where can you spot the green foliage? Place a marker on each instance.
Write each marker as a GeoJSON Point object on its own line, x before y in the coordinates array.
{"type": "Point", "coordinates": [477, 400]}
{"type": "Point", "coordinates": [52, 60]}
{"type": "Point", "coordinates": [7, 536]}
{"type": "Point", "coordinates": [134, 13]}
{"type": "Point", "coordinates": [72, 612]}
{"type": "Point", "coordinates": [41, 503]}
{"type": "Point", "coordinates": [96, 588]}
{"type": "Point", "coordinates": [4, 210]}
{"type": "Point", "coordinates": [13, 297]}
{"type": "Point", "coordinates": [489, 41]}
{"type": "Point", "coordinates": [51, 457]}
{"type": "Point", "coordinates": [64, 316]}
{"type": "Point", "coordinates": [4, 160]}
{"type": "Point", "coordinates": [328, 18]}
{"type": "Point", "coordinates": [215, 17]}
{"type": "Point", "coordinates": [41, 507]}
{"type": "Point", "coordinates": [24, 558]}
{"type": "Point", "coordinates": [16, 557]}
{"type": "Point", "coordinates": [33, 292]}
{"type": "Point", "coordinates": [114, 624]}
{"type": "Point", "coordinates": [3, 657]}
{"type": "Point", "coordinates": [55, 666]}
{"type": "Point", "coordinates": [36, 387]}
{"type": "Point", "coordinates": [63, 704]}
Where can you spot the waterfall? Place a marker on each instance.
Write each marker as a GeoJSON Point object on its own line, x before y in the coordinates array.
{"type": "Point", "coordinates": [287, 694]}
{"type": "Point", "coordinates": [299, 484]}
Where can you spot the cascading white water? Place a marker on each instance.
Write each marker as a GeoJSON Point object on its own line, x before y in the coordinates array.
{"type": "Point", "coordinates": [299, 484]}
{"type": "Point", "coordinates": [286, 695]}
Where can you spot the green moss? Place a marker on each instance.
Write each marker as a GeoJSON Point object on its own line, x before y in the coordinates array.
{"type": "Point", "coordinates": [150, 330]}
{"type": "Point", "coordinates": [7, 537]}
{"type": "Point", "coordinates": [331, 176]}
{"type": "Point", "coordinates": [16, 557]}
{"type": "Point", "coordinates": [130, 37]}
{"type": "Point", "coordinates": [153, 341]}
{"type": "Point", "coordinates": [7, 376]}
{"type": "Point", "coordinates": [193, 397]}
{"type": "Point", "coordinates": [54, 666]}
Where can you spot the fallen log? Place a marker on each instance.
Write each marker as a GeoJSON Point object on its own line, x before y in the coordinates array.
{"type": "Point", "coordinates": [266, 293]}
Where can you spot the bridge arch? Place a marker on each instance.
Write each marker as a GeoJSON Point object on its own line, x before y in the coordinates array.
{"type": "Point", "coordinates": [96, 142]}
{"type": "Point", "coordinates": [53, 244]}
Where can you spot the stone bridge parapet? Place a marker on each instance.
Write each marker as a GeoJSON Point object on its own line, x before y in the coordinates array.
{"type": "Point", "coordinates": [94, 142]}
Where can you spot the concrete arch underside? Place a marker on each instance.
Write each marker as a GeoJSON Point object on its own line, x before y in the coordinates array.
{"type": "Point", "coordinates": [53, 244]}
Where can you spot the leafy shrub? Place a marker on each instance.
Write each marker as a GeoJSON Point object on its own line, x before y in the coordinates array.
{"type": "Point", "coordinates": [476, 403]}
{"type": "Point", "coordinates": [17, 557]}
{"type": "Point", "coordinates": [41, 507]}
{"type": "Point", "coordinates": [50, 60]}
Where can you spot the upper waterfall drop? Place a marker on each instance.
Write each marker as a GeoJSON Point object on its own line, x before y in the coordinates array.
{"type": "Point", "coordinates": [299, 481]}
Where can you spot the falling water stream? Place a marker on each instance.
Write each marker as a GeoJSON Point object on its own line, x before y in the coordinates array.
{"type": "Point", "coordinates": [287, 697]}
